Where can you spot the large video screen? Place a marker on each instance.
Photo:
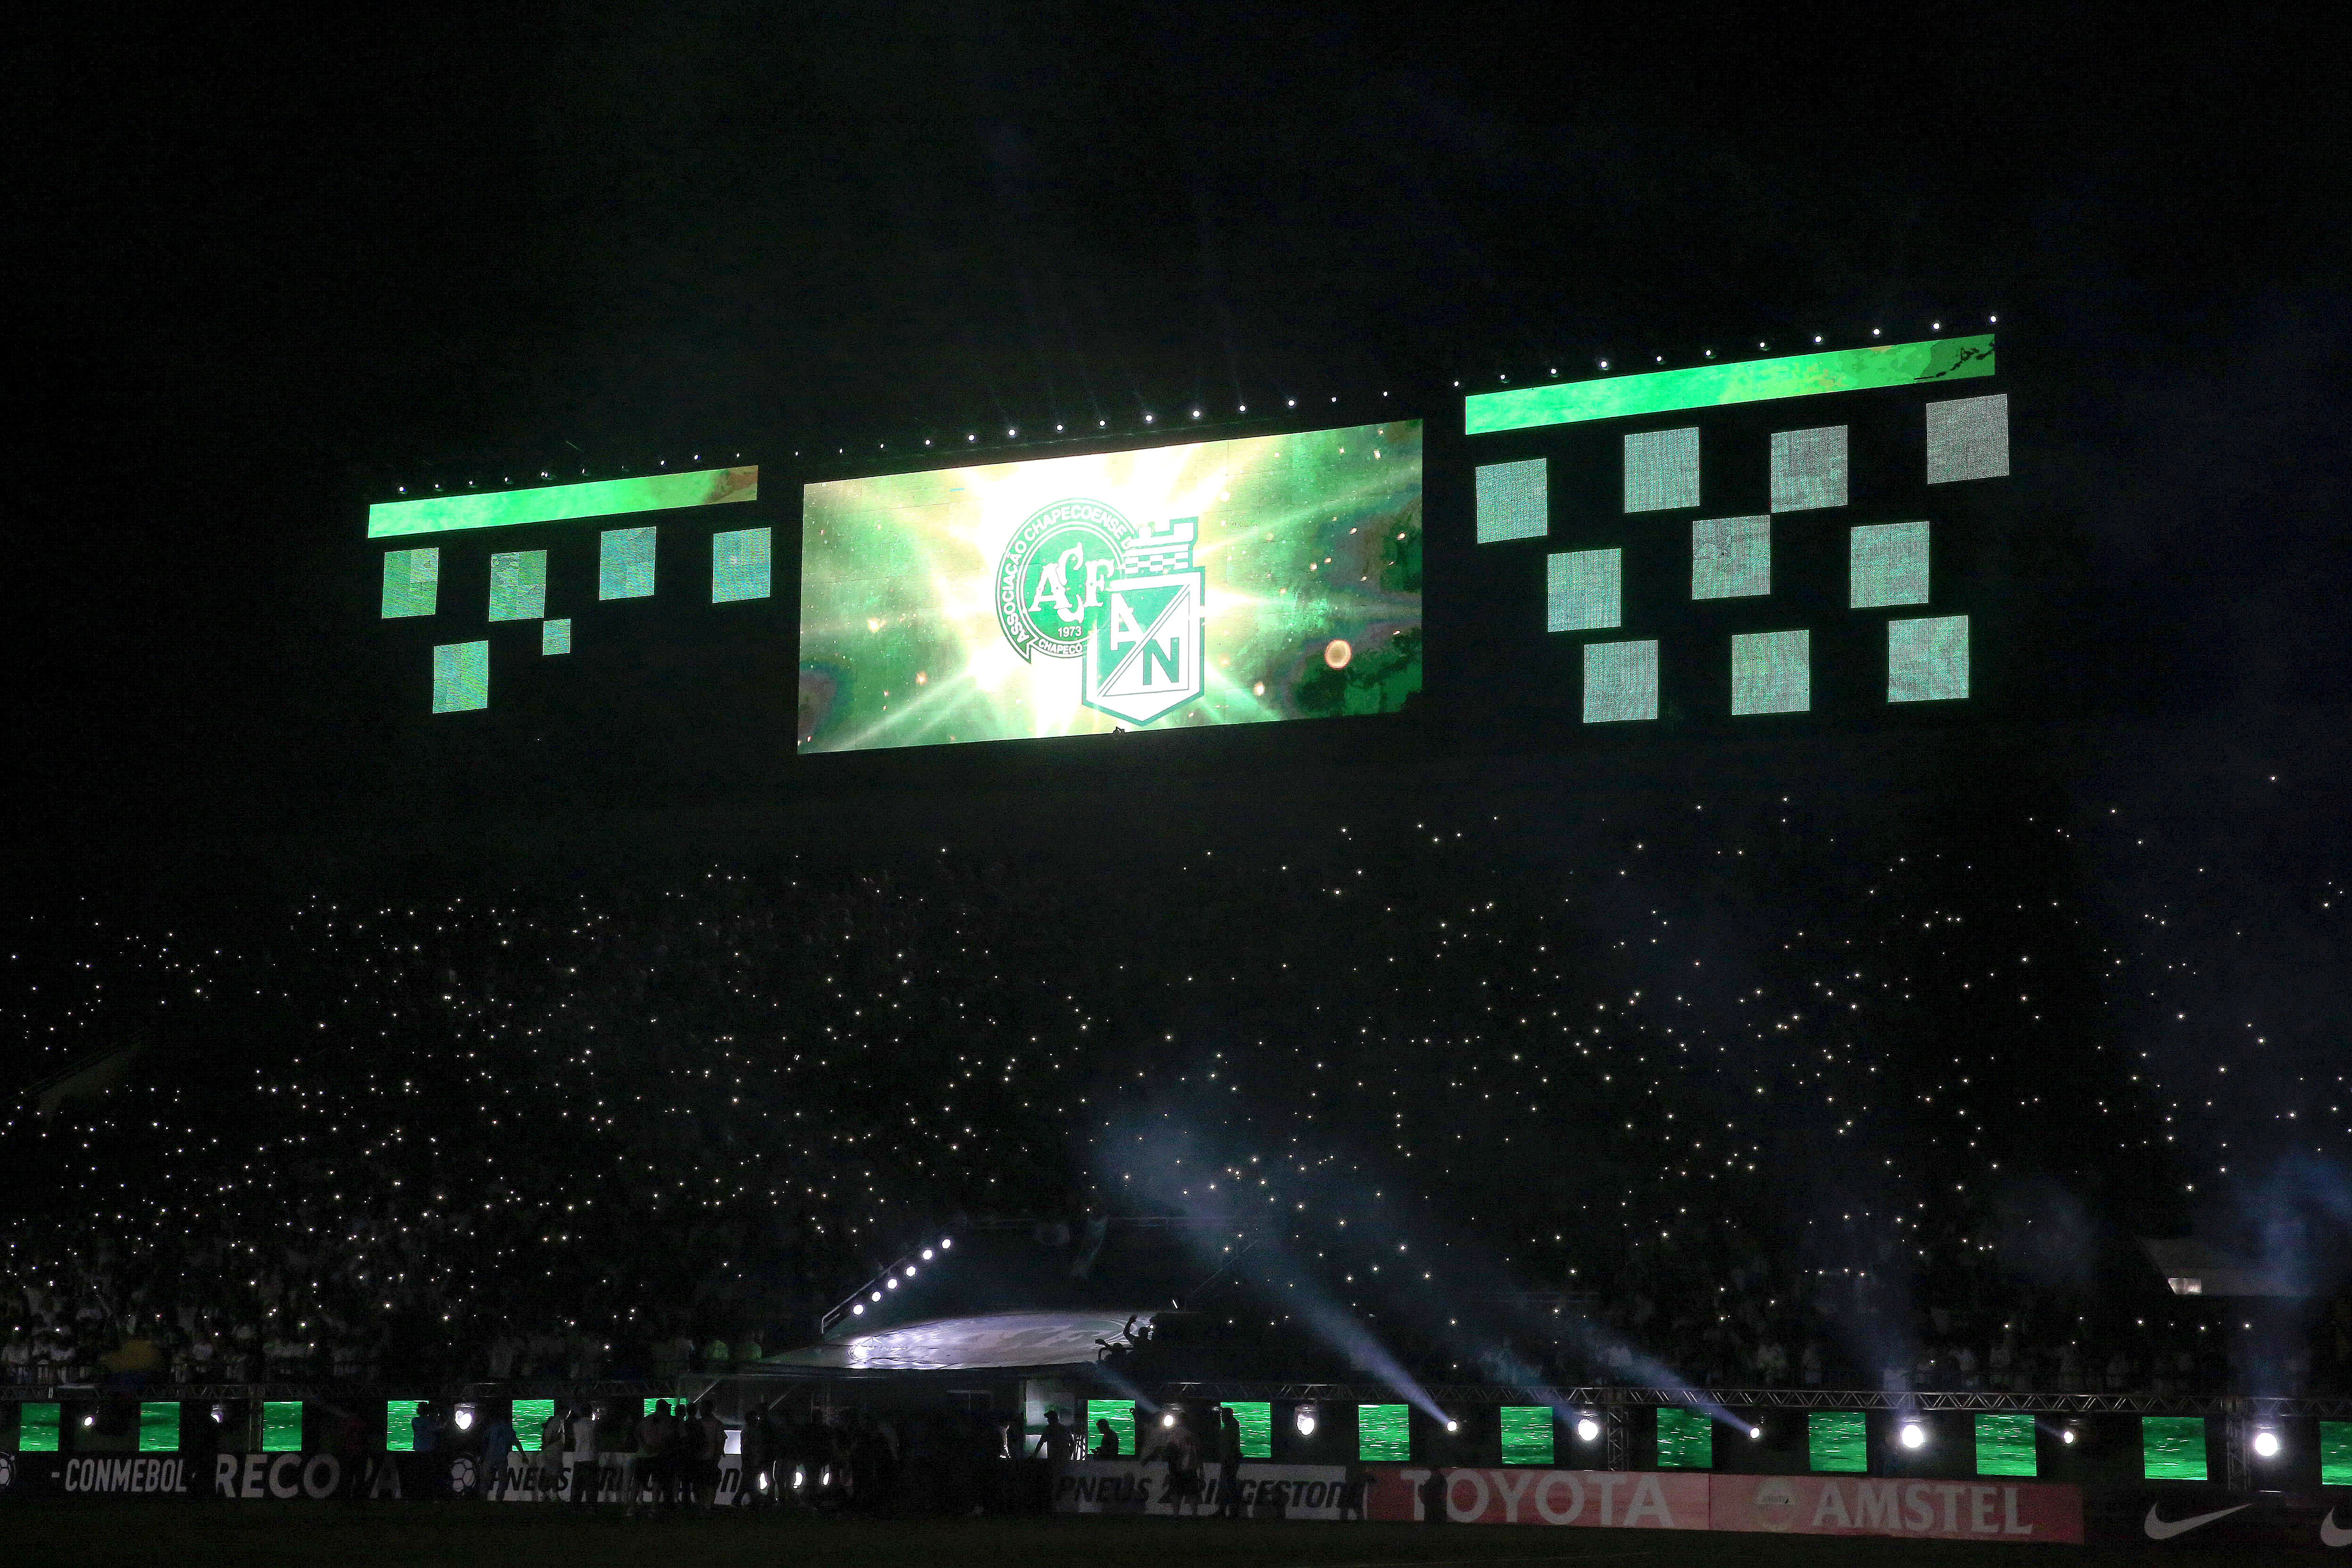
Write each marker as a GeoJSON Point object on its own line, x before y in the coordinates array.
{"type": "Point", "coordinates": [1218, 583]}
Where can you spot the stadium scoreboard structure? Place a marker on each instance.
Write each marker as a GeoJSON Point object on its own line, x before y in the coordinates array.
{"type": "Point", "coordinates": [1738, 544]}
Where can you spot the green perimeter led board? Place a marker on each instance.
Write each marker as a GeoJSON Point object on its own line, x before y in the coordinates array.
{"type": "Point", "coordinates": [1749, 545]}
{"type": "Point", "coordinates": [1231, 582]}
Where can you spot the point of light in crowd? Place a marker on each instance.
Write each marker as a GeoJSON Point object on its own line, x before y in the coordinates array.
{"type": "Point", "coordinates": [1587, 1430]}
{"type": "Point", "coordinates": [945, 1243]}
{"type": "Point", "coordinates": [2267, 1445]}
{"type": "Point", "coordinates": [1913, 1435]}
{"type": "Point", "coordinates": [800, 1480]}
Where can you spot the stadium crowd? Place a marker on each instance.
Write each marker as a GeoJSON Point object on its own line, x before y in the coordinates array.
{"type": "Point", "coordinates": [1741, 1106]}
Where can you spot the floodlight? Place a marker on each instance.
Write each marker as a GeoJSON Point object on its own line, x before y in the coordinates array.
{"type": "Point", "coordinates": [1914, 1435]}
{"type": "Point", "coordinates": [910, 1271]}
{"type": "Point", "coordinates": [2266, 1443]}
{"type": "Point", "coordinates": [890, 1284]}
{"type": "Point", "coordinates": [926, 1255]}
{"type": "Point", "coordinates": [1755, 1434]}
{"type": "Point", "coordinates": [464, 1417]}
{"type": "Point", "coordinates": [878, 1295]}
{"type": "Point", "coordinates": [1168, 1419]}
{"type": "Point", "coordinates": [1452, 1425]}
{"type": "Point", "coordinates": [2067, 1436]}
{"type": "Point", "coordinates": [1304, 1421]}
{"type": "Point", "coordinates": [1587, 1428]}
{"type": "Point", "coordinates": [858, 1311]}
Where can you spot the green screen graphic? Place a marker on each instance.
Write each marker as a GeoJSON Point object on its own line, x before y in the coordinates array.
{"type": "Point", "coordinates": [412, 582]}
{"type": "Point", "coordinates": [1968, 438]}
{"type": "Point", "coordinates": [159, 1426]}
{"type": "Point", "coordinates": [1512, 501]}
{"type": "Point", "coordinates": [2005, 1446]}
{"type": "Point", "coordinates": [563, 504]}
{"type": "Point", "coordinates": [1620, 681]}
{"type": "Point", "coordinates": [1714, 385]}
{"type": "Point", "coordinates": [1772, 672]}
{"type": "Point", "coordinates": [1583, 590]}
{"type": "Point", "coordinates": [1927, 659]}
{"type": "Point", "coordinates": [625, 564]}
{"type": "Point", "coordinates": [461, 677]}
{"type": "Point", "coordinates": [519, 586]}
{"type": "Point", "coordinates": [1661, 469]}
{"type": "Point", "coordinates": [530, 1419]}
{"type": "Point", "coordinates": [1120, 1413]}
{"type": "Point", "coordinates": [1887, 564]}
{"type": "Point", "coordinates": [1256, 1418]}
{"type": "Point", "coordinates": [1383, 1433]}
{"type": "Point", "coordinates": [1685, 1441]}
{"type": "Point", "coordinates": [555, 636]}
{"type": "Point", "coordinates": [2172, 1448]}
{"type": "Point", "coordinates": [1808, 468]}
{"type": "Point", "coordinates": [281, 1426]}
{"type": "Point", "coordinates": [37, 1427]}
{"type": "Point", "coordinates": [739, 565]}
{"type": "Point", "coordinates": [1527, 1434]}
{"type": "Point", "coordinates": [2336, 1453]}
{"type": "Point", "coordinates": [1731, 558]}
{"type": "Point", "coordinates": [1228, 582]}
{"type": "Point", "coordinates": [1834, 1441]}
{"type": "Point", "coordinates": [399, 1435]}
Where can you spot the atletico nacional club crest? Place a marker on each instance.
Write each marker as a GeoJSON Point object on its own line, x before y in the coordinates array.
{"type": "Point", "coordinates": [1079, 580]}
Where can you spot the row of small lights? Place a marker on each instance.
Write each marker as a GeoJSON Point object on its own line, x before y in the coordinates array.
{"type": "Point", "coordinates": [1761, 348]}
{"type": "Point", "coordinates": [890, 1281]}
{"type": "Point", "coordinates": [548, 474]}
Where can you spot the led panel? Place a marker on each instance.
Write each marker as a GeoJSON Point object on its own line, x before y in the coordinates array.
{"type": "Point", "coordinates": [159, 1426]}
{"type": "Point", "coordinates": [1714, 385]}
{"type": "Point", "coordinates": [1772, 672]}
{"type": "Point", "coordinates": [1887, 564]}
{"type": "Point", "coordinates": [461, 677]}
{"type": "Point", "coordinates": [739, 565]}
{"type": "Point", "coordinates": [530, 1420]}
{"type": "Point", "coordinates": [1620, 681]}
{"type": "Point", "coordinates": [1731, 557]}
{"type": "Point", "coordinates": [2172, 1448]}
{"type": "Point", "coordinates": [562, 503]}
{"type": "Point", "coordinates": [1512, 501]}
{"type": "Point", "coordinates": [281, 1426]}
{"type": "Point", "coordinates": [38, 1422]}
{"type": "Point", "coordinates": [1582, 590]}
{"type": "Point", "coordinates": [1835, 1441]}
{"type": "Point", "coordinates": [399, 1433]}
{"type": "Point", "coordinates": [1968, 438]}
{"type": "Point", "coordinates": [2005, 1446]}
{"type": "Point", "coordinates": [2336, 1453]}
{"type": "Point", "coordinates": [1120, 1413]}
{"type": "Point", "coordinates": [1685, 1441]}
{"type": "Point", "coordinates": [1383, 1433]}
{"type": "Point", "coordinates": [1808, 468]}
{"type": "Point", "coordinates": [1661, 469]}
{"type": "Point", "coordinates": [519, 586]}
{"type": "Point", "coordinates": [1527, 1434]}
{"type": "Point", "coordinates": [1256, 1418]}
{"type": "Point", "coordinates": [625, 564]}
{"type": "Point", "coordinates": [412, 582]}
{"type": "Point", "coordinates": [555, 636]}
{"type": "Point", "coordinates": [1927, 659]}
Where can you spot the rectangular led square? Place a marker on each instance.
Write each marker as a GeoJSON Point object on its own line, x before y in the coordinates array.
{"type": "Point", "coordinates": [461, 677]}
{"type": "Point", "coordinates": [625, 564]}
{"type": "Point", "coordinates": [1731, 558]}
{"type": "Point", "coordinates": [739, 565]}
{"type": "Point", "coordinates": [281, 1426]}
{"type": "Point", "coordinates": [555, 636]}
{"type": "Point", "coordinates": [1620, 681]}
{"type": "Point", "coordinates": [1383, 1433]}
{"type": "Point", "coordinates": [1527, 1434]}
{"type": "Point", "coordinates": [159, 1426]}
{"type": "Point", "coordinates": [1685, 1441]}
{"type": "Point", "coordinates": [2005, 1446]}
{"type": "Point", "coordinates": [1120, 1413]}
{"type": "Point", "coordinates": [1582, 590]}
{"type": "Point", "coordinates": [1256, 1419]}
{"type": "Point", "coordinates": [519, 586]}
{"type": "Point", "coordinates": [1968, 438]}
{"type": "Point", "coordinates": [530, 1420]}
{"type": "Point", "coordinates": [2172, 1448]}
{"type": "Point", "coordinates": [1834, 1441]}
{"type": "Point", "coordinates": [1927, 659]}
{"type": "Point", "coordinates": [1886, 563]}
{"type": "Point", "coordinates": [1772, 672]}
{"type": "Point", "coordinates": [2336, 1453]}
{"type": "Point", "coordinates": [412, 582]}
{"type": "Point", "coordinates": [1808, 468]}
{"type": "Point", "coordinates": [1513, 502]}
{"type": "Point", "coordinates": [1661, 469]}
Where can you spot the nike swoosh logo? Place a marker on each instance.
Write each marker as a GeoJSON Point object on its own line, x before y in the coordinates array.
{"type": "Point", "coordinates": [2166, 1529]}
{"type": "Point", "coordinates": [2331, 1534]}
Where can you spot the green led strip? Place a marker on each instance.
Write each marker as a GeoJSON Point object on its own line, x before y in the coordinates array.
{"type": "Point", "coordinates": [1712, 385]}
{"type": "Point", "coordinates": [562, 503]}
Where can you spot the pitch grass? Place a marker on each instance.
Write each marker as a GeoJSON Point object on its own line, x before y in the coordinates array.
{"type": "Point", "coordinates": [160, 1534]}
